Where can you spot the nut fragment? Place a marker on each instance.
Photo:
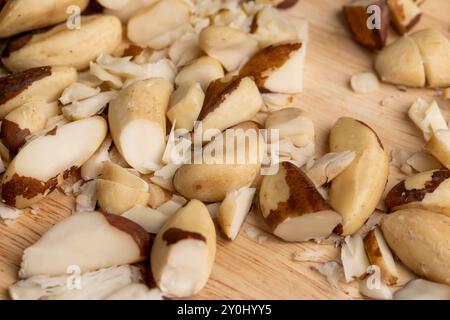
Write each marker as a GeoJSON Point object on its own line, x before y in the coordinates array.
{"type": "Point", "coordinates": [421, 289]}
{"type": "Point", "coordinates": [405, 14]}
{"type": "Point", "coordinates": [427, 190]}
{"type": "Point", "coordinates": [280, 4]}
{"type": "Point", "coordinates": [42, 83]}
{"type": "Point", "coordinates": [278, 68]}
{"type": "Point", "coordinates": [380, 255]}
{"type": "Point", "coordinates": [93, 168]}
{"type": "Point", "coordinates": [293, 208]}
{"type": "Point", "coordinates": [329, 167]}
{"type": "Point", "coordinates": [357, 190]}
{"type": "Point", "coordinates": [18, 16]}
{"type": "Point", "coordinates": [365, 83]}
{"type": "Point", "coordinates": [60, 46]}
{"type": "Point", "coordinates": [120, 242]}
{"type": "Point", "coordinates": [234, 210]}
{"type": "Point", "coordinates": [377, 290]}
{"type": "Point", "coordinates": [229, 46]}
{"type": "Point", "coordinates": [36, 168]}
{"type": "Point", "coordinates": [159, 24]}
{"type": "Point", "coordinates": [291, 124]}
{"type": "Point", "coordinates": [203, 70]}
{"type": "Point", "coordinates": [439, 146]}
{"type": "Point", "coordinates": [184, 250]}
{"type": "Point", "coordinates": [357, 15]}
{"type": "Point", "coordinates": [420, 239]}
{"type": "Point", "coordinates": [115, 173]}
{"type": "Point", "coordinates": [150, 219]}
{"type": "Point", "coordinates": [133, 126]}
{"type": "Point", "coordinates": [354, 258]}
{"type": "Point", "coordinates": [427, 117]}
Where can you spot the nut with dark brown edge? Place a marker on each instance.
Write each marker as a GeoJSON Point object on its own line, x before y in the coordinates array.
{"type": "Point", "coordinates": [35, 170]}
{"type": "Point", "coordinates": [356, 191]}
{"type": "Point", "coordinates": [183, 251]}
{"type": "Point", "coordinates": [293, 208]}
{"type": "Point", "coordinates": [17, 16]}
{"type": "Point", "coordinates": [357, 16]}
{"type": "Point", "coordinates": [120, 242]}
{"type": "Point", "coordinates": [278, 68]}
{"type": "Point", "coordinates": [59, 46]}
{"type": "Point", "coordinates": [421, 240]}
{"type": "Point", "coordinates": [36, 84]}
{"type": "Point", "coordinates": [405, 14]}
{"type": "Point", "coordinates": [427, 190]}
{"type": "Point", "coordinates": [379, 255]}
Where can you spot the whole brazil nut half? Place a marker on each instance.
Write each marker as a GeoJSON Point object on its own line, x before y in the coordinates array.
{"type": "Point", "coordinates": [60, 46]}
{"type": "Point", "coordinates": [41, 83]}
{"type": "Point", "coordinates": [356, 191]}
{"type": "Point", "coordinates": [427, 190]}
{"type": "Point", "coordinates": [293, 208]}
{"type": "Point", "coordinates": [278, 68]}
{"type": "Point", "coordinates": [184, 250]}
{"type": "Point", "coordinates": [43, 161]}
{"type": "Point", "coordinates": [107, 241]}
{"type": "Point", "coordinates": [18, 16]}
{"type": "Point", "coordinates": [421, 240]}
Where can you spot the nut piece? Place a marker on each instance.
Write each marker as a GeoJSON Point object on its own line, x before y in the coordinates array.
{"type": "Point", "coordinates": [228, 102]}
{"type": "Point", "coordinates": [60, 46]}
{"type": "Point", "coordinates": [89, 107]}
{"type": "Point", "coordinates": [435, 50]}
{"type": "Point", "coordinates": [159, 25]}
{"type": "Point", "coordinates": [116, 198]}
{"type": "Point", "coordinates": [401, 63]}
{"type": "Point", "coordinates": [18, 16]}
{"type": "Point", "coordinates": [421, 289]}
{"type": "Point", "coordinates": [212, 182]}
{"type": "Point", "coordinates": [292, 124]}
{"type": "Point", "coordinates": [157, 196]}
{"type": "Point", "coordinates": [380, 255]}
{"type": "Point", "coordinates": [293, 208]}
{"type": "Point", "coordinates": [203, 70]}
{"type": "Point", "coordinates": [439, 146]}
{"type": "Point", "coordinates": [377, 290]}
{"type": "Point", "coordinates": [365, 83]}
{"type": "Point", "coordinates": [405, 14]}
{"type": "Point", "coordinates": [93, 168]}
{"type": "Point", "coordinates": [185, 105]}
{"type": "Point", "coordinates": [183, 251]}
{"type": "Point", "coordinates": [230, 46]}
{"type": "Point", "coordinates": [233, 211]}
{"type": "Point", "coordinates": [120, 241]}
{"type": "Point", "coordinates": [115, 173]}
{"type": "Point", "coordinates": [279, 4]}
{"type": "Point", "coordinates": [42, 162]}
{"type": "Point", "coordinates": [357, 190]}
{"type": "Point", "coordinates": [420, 239]}
{"type": "Point", "coordinates": [354, 258]}
{"type": "Point", "coordinates": [426, 190]}
{"type": "Point", "coordinates": [357, 17]}
{"type": "Point", "coordinates": [329, 167]}
{"type": "Point", "coordinates": [150, 219]}
{"type": "Point", "coordinates": [427, 117]}
{"type": "Point", "coordinates": [141, 121]}
{"type": "Point", "coordinates": [43, 83]}
{"type": "Point", "coordinates": [278, 68]}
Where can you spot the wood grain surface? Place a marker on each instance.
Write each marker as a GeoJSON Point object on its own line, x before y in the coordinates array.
{"type": "Point", "coordinates": [246, 269]}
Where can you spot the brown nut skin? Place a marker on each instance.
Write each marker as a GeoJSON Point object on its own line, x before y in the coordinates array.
{"type": "Point", "coordinates": [356, 16]}
{"type": "Point", "coordinates": [421, 240]}
{"type": "Point", "coordinates": [401, 198]}
{"type": "Point", "coordinates": [13, 136]}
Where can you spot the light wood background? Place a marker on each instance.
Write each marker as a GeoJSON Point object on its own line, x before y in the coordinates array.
{"type": "Point", "coordinates": [246, 269]}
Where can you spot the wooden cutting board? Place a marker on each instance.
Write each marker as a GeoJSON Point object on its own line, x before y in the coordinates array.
{"type": "Point", "coordinates": [246, 269]}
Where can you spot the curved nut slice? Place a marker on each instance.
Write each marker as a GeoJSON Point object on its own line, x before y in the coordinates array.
{"type": "Point", "coordinates": [293, 208]}
{"type": "Point", "coordinates": [116, 198]}
{"type": "Point", "coordinates": [184, 250]}
{"type": "Point", "coordinates": [116, 173]}
{"type": "Point", "coordinates": [401, 63]}
{"type": "Point", "coordinates": [43, 83]}
{"type": "Point", "coordinates": [380, 255]}
{"type": "Point", "coordinates": [435, 50]}
{"type": "Point", "coordinates": [230, 46]}
{"type": "Point", "coordinates": [357, 190]}
{"type": "Point", "coordinates": [278, 68]}
{"type": "Point", "coordinates": [203, 70]}
{"type": "Point", "coordinates": [60, 46]}
{"type": "Point", "coordinates": [421, 240]}
{"type": "Point", "coordinates": [330, 166]}
{"type": "Point", "coordinates": [137, 120]}
{"type": "Point", "coordinates": [229, 102]}
{"type": "Point", "coordinates": [427, 190]}
{"type": "Point", "coordinates": [421, 289]}
{"type": "Point", "coordinates": [439, 146]}
{"type": "Point", "coordinates": [18, 16]}
{"type": "Point", "coordinates": [41, 162]}
{"type": "Point", "coordinates": [120, 241]}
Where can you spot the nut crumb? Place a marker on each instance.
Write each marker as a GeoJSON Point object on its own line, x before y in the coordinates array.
{"type": "Point", "coordinates": [306, 256]}
{"type": "Point", "coordinates": [365, 83]}
{"type": "Point", "coordinates": [401, 88]}
{"type": "Point", "coordinates": [387, 102]}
